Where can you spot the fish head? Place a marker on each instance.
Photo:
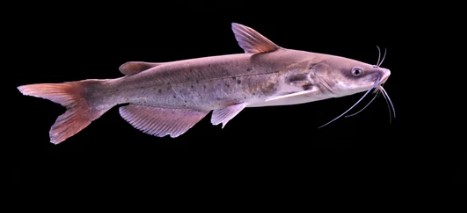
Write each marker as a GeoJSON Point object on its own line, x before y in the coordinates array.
{"type": "Point", "coordinates": [340, 76]}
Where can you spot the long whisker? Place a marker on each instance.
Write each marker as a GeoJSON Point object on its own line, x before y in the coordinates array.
{"type": "Point", "coordinates": [389, 109]}
{"type": "Point", "coordinates": [379, 55]}
{"type": "Point", "coordinates": [368, 104]}
{"type": "Point", "coordinates": [384, 57]}
{"type": "Point", "coordinates": [346, 111]}
{"type": "Point", "coordinates": [388, 101]}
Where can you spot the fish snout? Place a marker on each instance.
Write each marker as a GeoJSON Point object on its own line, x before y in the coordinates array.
{"type": "Point", "coordinates": [385, 73]}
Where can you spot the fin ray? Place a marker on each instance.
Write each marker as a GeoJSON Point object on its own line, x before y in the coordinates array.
{"type": "Point", "coordinates": [289, 95]}
{"type": "Point", "coordinates": [224, 115]}
{"type": "Point", "coordinates": [80, 111]}
{"type": "Point", "coordinates": [252, 41]}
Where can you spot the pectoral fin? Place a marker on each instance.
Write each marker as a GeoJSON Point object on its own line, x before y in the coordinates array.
{"type": "Point", "coordinates": [226, 114]}
{"type": "Point", "coordinates": [295, 94]}
{"type": "Point", "coordinates": [161, 121]}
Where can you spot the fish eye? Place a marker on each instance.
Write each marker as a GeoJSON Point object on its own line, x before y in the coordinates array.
{"type": "Point", "coordinates": [357, 71]}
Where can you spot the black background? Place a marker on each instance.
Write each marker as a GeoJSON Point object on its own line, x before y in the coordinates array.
{"type": "Point", "coordinates": [264, 149]}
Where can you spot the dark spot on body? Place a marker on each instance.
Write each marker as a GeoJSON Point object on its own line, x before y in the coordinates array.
{"type": "Point", "coordinates": [192, 86]}
{"type": "Point", "coordinates": [160, 91]}
{"type": "Point", "coordinates": [239, 81]}
{"type": "Point", "coordinates": [307, 86]}
{"type": "Point", "coordinates": [254, 93]}
{"type": "Point", "coordinates": [204, 86]}
{"type": "Point", "coordinates": [248, 69]}
{"type": "Point", "coordinates": [197, 81]}
{"type": "Point", "coordinates": [299, 77]}
{"type": "Point", "coordinates": [234, 77]}
{"type": "Point", "coordinates": [227, 85]}
{"type": "Point", "coordinates": [313, 66]}
{"type": "Point", "coordinates": [270, 88]}
{"type": "Point", "coordinates": [175, 96]}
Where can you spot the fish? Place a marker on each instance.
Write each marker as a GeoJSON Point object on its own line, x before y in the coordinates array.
{"type": "Point", "coordinates": [169, 98]}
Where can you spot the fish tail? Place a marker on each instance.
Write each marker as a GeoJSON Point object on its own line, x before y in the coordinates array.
{"type": "Point", "coordinates": [77, 98]}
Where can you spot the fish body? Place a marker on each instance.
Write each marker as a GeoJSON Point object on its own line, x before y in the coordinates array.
{"type": "Point", "coordinates": [169, 98]}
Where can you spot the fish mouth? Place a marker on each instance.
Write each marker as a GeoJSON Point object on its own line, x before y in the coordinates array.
{"type": "Point", "coordinates": [383, 80]}
{"type": "Point", "coordinates": [385, 73]}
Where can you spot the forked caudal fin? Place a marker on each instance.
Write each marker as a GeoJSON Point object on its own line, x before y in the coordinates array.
{"type": "Point", "coordinates": [72, 95]}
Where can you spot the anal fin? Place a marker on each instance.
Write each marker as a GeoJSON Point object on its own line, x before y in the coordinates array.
{"type": "Point", "coordinates": [161, 121]}
{"type": "Point", "coordinates": [224, 115]}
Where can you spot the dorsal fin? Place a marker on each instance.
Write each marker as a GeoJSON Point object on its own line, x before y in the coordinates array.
{"type": "Point", "coordinates": [134, 67]}
{"type": "Point", "coordinates": [251, 41]}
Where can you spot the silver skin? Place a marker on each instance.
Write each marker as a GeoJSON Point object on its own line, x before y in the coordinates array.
{"type": "Point", "coordinates": [255, 79]}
